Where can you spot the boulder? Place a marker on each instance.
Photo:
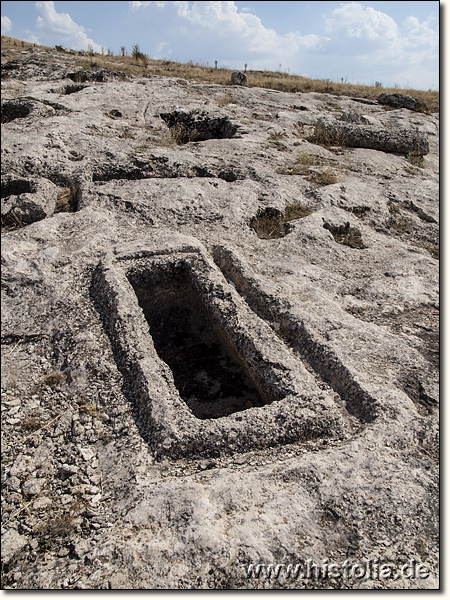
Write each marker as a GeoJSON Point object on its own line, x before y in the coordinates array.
{"type": "Point", "coordinates": [25, 201]}
{"type": "Point", "coordinates": [402, 101]}
{"type": "Point", "coordinates": [197, 125]}
{"type": "Point", "coordinates": [395, 140]}
{"type": "Point", "coordinates": [238, 78]}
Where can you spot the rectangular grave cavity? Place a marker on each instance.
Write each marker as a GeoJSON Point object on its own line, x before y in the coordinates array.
{"type": "Point", "coordinates": [208, 372]}
{"type": "Point", "coordinates": [207, 375]}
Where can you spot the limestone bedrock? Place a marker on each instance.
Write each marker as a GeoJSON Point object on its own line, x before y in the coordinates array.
{"type": "Point", "coordinates": [309, 270]}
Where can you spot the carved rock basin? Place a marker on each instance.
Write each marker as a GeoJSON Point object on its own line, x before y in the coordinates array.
{"type": "Point", "coordinates": [209, 376]}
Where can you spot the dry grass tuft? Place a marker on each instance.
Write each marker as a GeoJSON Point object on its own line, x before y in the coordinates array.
{"type": "Point", "coordinates": [400, 225]}
{"type": "Point", "coordinates": [433, 249]}
{"type": "Point", "coordinates": [336, 142]}
{"type": "Point", "coordinates": [88, 408]}
{"type": "Point", "coordinates": [178, 135]}
{"type": "Point", "coordinates": [358, 211]}
{"type": "Point", "coordinates": [302, 165]}
{"type": "Point", "coordinates": [416, 159]}
{"type": "Point", "coordinates": [296, 211]}
{"type": "Point", "coordinates": [58, 528]}
{"type": "Point", "coordinates": [276, 136]}
{"type": "Point", "coordinates": [66, 200]}
{"type": "Point", "coordinates": [346, 235]}
{"type": "Point", "coordinates": [226, 99]}
{"type": "Point", "coordinates": [53, 379]}
{"type": "Point", "coordinates": [31, 423]}
{"type": "Point", "coordinates": [271, 223]}
{"type": "Point", "coordinates": [327, 177]}
{"type": "Point", "coordinates": [11, 221]}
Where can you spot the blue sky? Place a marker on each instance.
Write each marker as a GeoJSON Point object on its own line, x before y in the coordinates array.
{"type": "Point", "coordinates": [395, 43]}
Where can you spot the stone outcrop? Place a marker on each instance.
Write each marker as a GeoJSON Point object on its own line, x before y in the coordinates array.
{"type": "Point", "coordinates": [402, 101]}
{"type": "Point", "coordinates": [197, 125]}
{"type": "Point", "coordinates": [221, 348]}
{"type": "Point", "coordinates": [387, 139]}
{"type": "Point", "coordinates": [94, 74]}
{"type": "Point", "coordinates": [238, 78]}
{"type": "Point", "coordinates": [25, 201]}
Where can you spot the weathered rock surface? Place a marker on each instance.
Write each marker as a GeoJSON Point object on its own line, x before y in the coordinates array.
{"type": "Point", "coordinates": [402, 101]}
{"type": "Point", "coordinates": [367, 135]}
{"type": "Point", "coordinates": [25, 201]}
{"type": "Point", "coordinates": [182, 398]}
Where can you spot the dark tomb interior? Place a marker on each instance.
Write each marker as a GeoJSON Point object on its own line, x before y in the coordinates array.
{"type": "Point", "coordinates": [208, 373]}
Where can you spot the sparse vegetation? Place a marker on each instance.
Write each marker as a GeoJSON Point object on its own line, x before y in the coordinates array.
{"type": "Point", "coordinates": [303, 162]}
{"type": "Point", "coordinates": [139, 56]}
{"type": "Point", "coordinates": [67, 199]}
{"type": "Point", "coordinates": [31, 423]}
{"type": "Point", "coordinates": [415, 159]}
{"type": "Point", "coordinates": [178, 135]}
{"type": "Point", "coordinates": [296, 211]}
{"type": "Point", "coordinates": [87, 408]}
{"type": "Point", "coordinates": [397, 222]}
{"type": "Point", "coordinates": [271, 223]}
{"type": "Point", "coordinates": [299, 129]}
{"type": "Point", "coordinates": [265, 79]}
{"type": "Point", "coordinates": [346, 235]}
{"type": "Point", "coordinates": [433, 249]}
{"type": "Point", "coordinates": [302, 166]}
{"type": "Point", "coordinates": [53, 379]}
{"type": "Point", "coordinates": [11, 221]}
{"type": "Point", "coordinates": [226, 99]}
{"type": "Point", "coordinates": [400, 225]}
{"type": "Point", "coordinates": [411, 170]}
{"type": "Point", "coordinates": [393, 207]}
{"type": "Point", "coordinates": [276, 136]}
{"type": "Point", "coordinates": [59, 528]}
{"type": "Point", "coordinates": [334, 141]}
{"type": "Point", "coordinates": [326, 177]}
{"type": "Point", "coordinates": [358, 211]}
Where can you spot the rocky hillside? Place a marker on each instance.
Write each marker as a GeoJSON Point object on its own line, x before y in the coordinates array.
{"type": "Point", "coordinates": [219, 333]}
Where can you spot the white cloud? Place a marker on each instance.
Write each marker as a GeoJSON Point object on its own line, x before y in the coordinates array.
{"type": "Point", "coordinates": [6, 25]}
{"type": "Point", "coordinates": [372, 42]}
{"type": "Point", "coordinates": [233, 36]}
{"type": "Point", "coordinates": [421, 35]}
{"type": "Point", "coordinates": [31, 37]}
{"type": "Point", "coordinates": [356, 42]}
{"type": "Point", "coordinates": [135, 5]}
{"type": "Point", "coordinates": [162, 51]}
{"type": "Point", "coordinates": [59, 28]}
{"type": "Point", "coordinates": [354, 21]}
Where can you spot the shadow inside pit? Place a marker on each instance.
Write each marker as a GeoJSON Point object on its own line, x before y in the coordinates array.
{"type": "Point", "coordinates": [14, 109]}
{"type": "Point", "coordinates": [209, 376]}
